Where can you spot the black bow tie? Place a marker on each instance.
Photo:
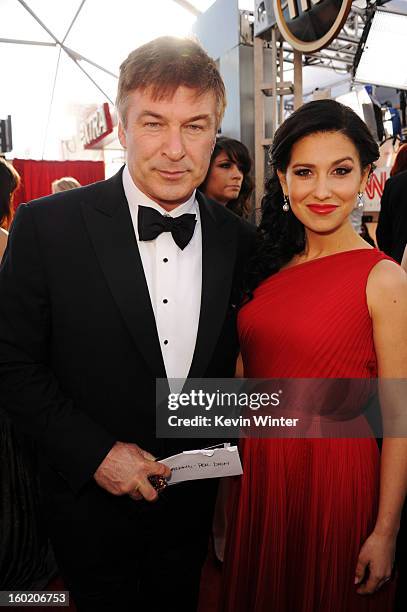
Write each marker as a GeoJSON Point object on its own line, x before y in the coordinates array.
{"type": "Point", "coordinates": [151, 224]}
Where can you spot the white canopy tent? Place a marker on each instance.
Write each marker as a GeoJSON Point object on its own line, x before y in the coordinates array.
{"type": "Point", "coordinates": [58, 55]}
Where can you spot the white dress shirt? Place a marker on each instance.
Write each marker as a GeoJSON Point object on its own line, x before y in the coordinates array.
{"type": "Point", "coordinates": [174, 279]}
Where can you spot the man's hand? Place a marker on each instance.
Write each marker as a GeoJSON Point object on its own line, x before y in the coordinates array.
{"type": "Point", "coordinates": [125, 471]}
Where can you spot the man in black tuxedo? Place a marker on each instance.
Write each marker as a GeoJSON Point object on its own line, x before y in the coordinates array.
{"type": "Point", "coordinates": [103, 289]}
{"type": "Point", "coordinates": [391, 232]}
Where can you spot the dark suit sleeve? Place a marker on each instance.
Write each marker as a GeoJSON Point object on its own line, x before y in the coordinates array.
{"type": "Point", "coordinates": [73, 444]}
{"type": "Point", "coordinates": [384, 226]}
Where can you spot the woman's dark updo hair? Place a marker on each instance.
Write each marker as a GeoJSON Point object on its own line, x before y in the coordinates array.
{"type": "Point", "coordinates": [9, 181]}
{"type": "Point", "coordinates": [239, 154]}
{"type": "Point", "coordinates": [280, 234]}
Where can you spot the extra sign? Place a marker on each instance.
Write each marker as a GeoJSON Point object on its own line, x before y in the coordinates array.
{"type": "Point", "coordinates": [96, 127]}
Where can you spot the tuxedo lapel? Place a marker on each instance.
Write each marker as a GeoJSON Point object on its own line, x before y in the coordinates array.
{"type": "Point", "coordinates": [112, 234]}
{"type": "Point", "coordinates": [219, 244]}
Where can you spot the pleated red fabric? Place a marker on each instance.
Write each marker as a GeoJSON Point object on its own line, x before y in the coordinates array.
{"type": "Point", "coordinates": [303, 507]}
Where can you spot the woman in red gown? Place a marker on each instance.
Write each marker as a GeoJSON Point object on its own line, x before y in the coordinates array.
{"type": "Point", "coordinates": [314, 521]}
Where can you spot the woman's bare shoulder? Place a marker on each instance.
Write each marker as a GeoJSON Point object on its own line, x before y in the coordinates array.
{"type": "Point", "coordinates": [386, 285]}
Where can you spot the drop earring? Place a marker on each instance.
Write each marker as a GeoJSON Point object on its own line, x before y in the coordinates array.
{"type": "Point", "coordinates": [361, 202]}
{"type": "Point", "coordinates": [286, 205]}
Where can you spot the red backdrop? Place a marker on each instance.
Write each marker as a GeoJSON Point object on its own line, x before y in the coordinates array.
{"type": "Point", "coordinates": [37, 176]}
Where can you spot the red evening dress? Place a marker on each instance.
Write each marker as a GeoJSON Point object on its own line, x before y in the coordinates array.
{"type": "Point", "coordinates": [303, 507]}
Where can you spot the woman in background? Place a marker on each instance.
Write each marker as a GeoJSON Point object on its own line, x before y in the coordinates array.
{"type": "Point", "coordinates": [228, 181]}
{"type": "Point", "coordinates": [400, 162]}
{"type": "Point", "coordinates": [9, 182]}
{"type": "Point", "coordinates": [310, 529]}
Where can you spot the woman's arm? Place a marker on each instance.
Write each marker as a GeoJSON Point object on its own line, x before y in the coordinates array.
{"type": "Point", "coordinates": [387, 301]}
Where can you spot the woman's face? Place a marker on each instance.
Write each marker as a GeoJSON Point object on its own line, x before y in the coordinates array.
{"type": "Point", "coordinates": [323, 179]}
{"type": "Point", "coordinates": [224, 180]}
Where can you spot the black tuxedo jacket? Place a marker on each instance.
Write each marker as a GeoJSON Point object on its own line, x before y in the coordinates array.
{"type": "Point", "coordinates": [391, 229]}
{"type": "Point", "coordinates": [79, 350]}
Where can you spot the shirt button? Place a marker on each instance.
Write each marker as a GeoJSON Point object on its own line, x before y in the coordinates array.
{"type": "Point", "coordinates": [165, 260]}
{"type": "Point", "coordinates": [165, 341]}
{"type": "Point", "coordinates": [165, 301]}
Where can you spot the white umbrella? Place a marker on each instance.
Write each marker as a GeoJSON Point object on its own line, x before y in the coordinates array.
{"type": "Point", "coordinates": [56, 55]}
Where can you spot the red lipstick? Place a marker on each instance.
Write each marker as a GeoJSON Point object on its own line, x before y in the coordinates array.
{"type": "Point", "coordinates": [322, 209]}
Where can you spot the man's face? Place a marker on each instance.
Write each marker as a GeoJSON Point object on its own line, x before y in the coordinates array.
{"type": "Point", "coordinates": [169, 143]}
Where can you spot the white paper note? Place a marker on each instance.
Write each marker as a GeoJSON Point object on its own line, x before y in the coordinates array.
{"type": "Point", "coordinates": [204, 463]}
